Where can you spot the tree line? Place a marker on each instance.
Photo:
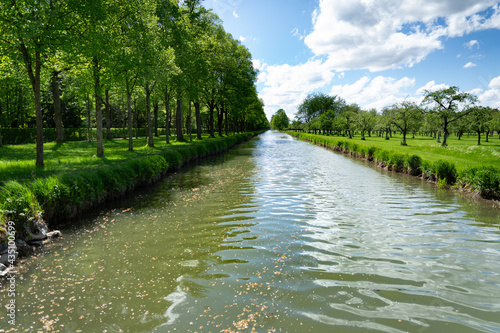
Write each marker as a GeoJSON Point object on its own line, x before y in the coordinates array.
{"type": "Point", "coordinates": [105, 64]}
{"type": "Point", "coordinates": [441, 112]}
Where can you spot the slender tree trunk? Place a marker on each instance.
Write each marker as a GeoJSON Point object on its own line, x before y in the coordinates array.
{"type": "Point", "coordinates": [478, 137]}
{"type": "Point", "coordinates": [226, 122]}
{"type": "Point", "coordinates": [130, 118]}
{"type": "Point", "coordinates": [487, 136]}
{"type": "Point", "coordinates": [136, 113]}
{"type": "Point", "coordinates": [445, 132]}
{"type": "Point", "coordinates": [107, 111]}
{"type": "Point", "coordinates": [167, 116]}
{"type": "Point", "coordinates": [179, 119]}
{"type": "Point", "coordinates": [35, 84]}
{"type": "Point", "coordinates": [198, 120]}
{"type": "Point", "coordinates": [155, 118]}
{"type": "Point", "coordinates": [189, 122]}
{"type": "Point", "coordinates": [211, 106]}
{"type": "Point", "coordinates": [148, 115]}
{"type": "Point", "coordinates": [88, 118]}
{"type": "Point", "coordinates": [98, 108]}
{"type": "Point", "coordinates": [56, 96]}
{"type": "Point", "coordinates": [219, 119]}
{"type": "Point", "coordinates": [124, 122]}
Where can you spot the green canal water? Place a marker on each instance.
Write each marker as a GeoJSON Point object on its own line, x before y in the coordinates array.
{"type": "Point", "coordinates": [276, 236]}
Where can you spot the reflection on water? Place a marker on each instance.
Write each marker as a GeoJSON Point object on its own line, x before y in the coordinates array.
{"type": "Point", "coordinates": [277, 236]}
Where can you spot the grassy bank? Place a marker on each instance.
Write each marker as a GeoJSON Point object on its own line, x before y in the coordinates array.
{"type": "Point", "coordinates": [74, 180]}
{"type": "Point", "coordinates": [462, 164]}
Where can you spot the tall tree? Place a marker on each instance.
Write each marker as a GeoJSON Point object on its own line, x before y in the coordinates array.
{"type": "Point", "coordinates": [33, 29]}
{"type": "Point", "coordinates": [480, 120]}
{"type": "Point", "coordinates": [405, 116]}
{"type": "Point", "coordinates": [280, 120]}
{"type": "Point", "coordinates": [318, 103]}
{"type": "Point", "coordinates": [450, 105]}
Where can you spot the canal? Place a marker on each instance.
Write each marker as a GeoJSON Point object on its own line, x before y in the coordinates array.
{"type": "Point", "coordinates": [278, 235]}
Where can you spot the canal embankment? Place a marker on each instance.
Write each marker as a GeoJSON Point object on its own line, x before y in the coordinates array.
{"type": "Point", "coordinates": [30, 209]}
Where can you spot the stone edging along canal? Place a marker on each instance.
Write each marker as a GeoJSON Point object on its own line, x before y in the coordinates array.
{"type": "Point", "coordinates": [481, 182]}
{"type": "Point", "coordinates": [44, 203]}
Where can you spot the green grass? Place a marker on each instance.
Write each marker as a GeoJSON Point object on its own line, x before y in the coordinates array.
{"type": "Point", "coordinates": [465, 153]}
{"type": "Point", "coordinates": [17, 162]}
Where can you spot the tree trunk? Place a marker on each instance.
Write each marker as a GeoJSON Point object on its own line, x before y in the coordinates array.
{"type": "Point", "coordinates": [478, 137]}
{"type": "Point", "coordinates": [188, 127]}
{"type": "Point", "coordinates": [155, 118]}
{"type": "Point", "coordinates": [98, 109]}
{"type": "Point", "coordinates": [130, 118]}
{"type": "Point", "coordinates": [136, 114]}
{"type": "Point", "coordinates": [56, 96]}
{"type": "Point", "coordinates": [107, 111]}
{"type": "Point", "coordinates": [198, 120]}
{"type": "Point", "coordinates": [148, 116]}
{"type": "Point", "coordinates": [35, 84]}
{"type": "Point", "coordinates": [226, 129]}
{"type": "Point", "coordinates": [178, 120]}
{"type": "Point", "coordinates": [219, 119]}
{"type": "Point", "coordinates": [211, 106]}
{"type": "Point", "coordinates": [487, 136]}
{"type": "Point", "coordinates": [167, 116]}
{"type": "Point", "coordinates": [124, 122]}
{"type": "Point", "coordinates": [88, 118]}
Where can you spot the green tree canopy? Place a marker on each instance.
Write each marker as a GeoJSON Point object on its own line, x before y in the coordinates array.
{"type": "Point", "coordinates": [279, 120]}
{"type": "Point", "coordinates": [450, 104]}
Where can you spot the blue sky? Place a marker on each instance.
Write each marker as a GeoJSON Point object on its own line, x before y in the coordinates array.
{"type": "Point", "coordinates": [374, 53]}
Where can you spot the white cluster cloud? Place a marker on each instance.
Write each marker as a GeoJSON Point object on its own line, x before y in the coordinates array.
{"type": "Point", "coordinates": [389, 34]}
{"type": "Point", "coordinates": [286, 86]}
{"type": "Point", "coordinates": [470, 65]}
{"type": "Point", "coordinates": [471, 44]}
{"type": "Point", "coordinates": [491, 96]}
{"type": "Point", "coordinates": [376, 36]}
{"type": "Point", "coordinates": [376, 93]}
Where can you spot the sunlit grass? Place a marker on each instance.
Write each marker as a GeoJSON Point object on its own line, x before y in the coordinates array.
{"type": "Point", "coordinates": [17, 162]}
{"type": "Point", "coordinates": [465, 153]}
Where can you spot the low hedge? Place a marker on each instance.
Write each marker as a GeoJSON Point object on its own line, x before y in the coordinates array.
{"type": "Point", "coordinates": [11, 136]}
{"type": "Point", "coordinates": [485, 180]}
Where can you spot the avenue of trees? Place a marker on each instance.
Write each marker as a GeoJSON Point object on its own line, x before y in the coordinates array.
{"type": "Point", "coordinates": [123, 64]}
{"type": "Point", "coordinates": [442, 112]}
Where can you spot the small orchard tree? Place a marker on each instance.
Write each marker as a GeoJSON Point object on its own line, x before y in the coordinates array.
{"type": "Point", "coordinates": [450, 104]}
{"type": "Point", "coordinates": [480, 120]}
{"type": "Point", "coordinates": [405, 116]}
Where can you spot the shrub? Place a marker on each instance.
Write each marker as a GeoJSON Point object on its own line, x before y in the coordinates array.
{"type": "Point", "coordinates": [413, 164]}
{"type": "Point", "coordinates": [445, 171]}
{"type": "Point", "coordinates": [19, 204]}
{"type": "Point", "coordinates": [383, 156]}
{"type": "Point", "coordinates": [485, 179]}
{"type": "Point", "coordinates": [397, 161]}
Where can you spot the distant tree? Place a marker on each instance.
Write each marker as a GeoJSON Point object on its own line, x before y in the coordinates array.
{"type": "Point", "coordinates": [480, 120]}
{"type": "Point", "coordinates": [405, 116]}
{"type": "Point", "coordinates": [297, 125]}
{"type": "Point", "coordinates": [279, 120]}
{"type": "Point", "coordinates": [316, 104]}
{"type": "Point", "coordinates": [450, 105]}
{"type": "Point", "coordinates": [365, 120]}
{"type": "Point", "coordinates": [348, 114]}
